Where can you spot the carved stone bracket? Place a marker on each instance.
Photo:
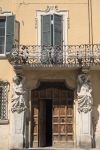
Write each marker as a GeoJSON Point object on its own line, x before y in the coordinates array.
{"type": "Point", "coordinates": [18, 95]}
{"type": "Point", "coordinates": [4, 82]}
{"type": "Point", "coordinates": [84, 95]}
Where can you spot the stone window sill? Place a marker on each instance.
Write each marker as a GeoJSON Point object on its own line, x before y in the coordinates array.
{"type": "Point", "coordinates": [2, 122]}
{"type": "Point", "coordinates": [3, 57]}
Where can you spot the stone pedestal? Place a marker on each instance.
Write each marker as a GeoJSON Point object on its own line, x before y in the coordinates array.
{"type": "Point", "coordinates": [85, 139]}
{"type": "Point", "coordinates": [16, 141]}
{"type": "Point", "coordinates": [97, 140]}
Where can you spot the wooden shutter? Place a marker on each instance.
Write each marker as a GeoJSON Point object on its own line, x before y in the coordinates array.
{"type": "Point", "coordinates": [52, 34]}
{"type": "Point", "coordinates": [58, 38]}
{"type": "Point", "coordinates": [10, 22]}
{"type": "Point", "coordinates": [17, 33]}
{"type": "Point", "coordinates": [2, 35]}
{"type": "Point", "coordinates": [45, 30]}
{"type": "Point", "coordinates": [45, 37]}
{"type": "Point", "coordinates": [58, 34]}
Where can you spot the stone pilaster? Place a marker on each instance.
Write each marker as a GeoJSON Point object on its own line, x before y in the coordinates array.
{"type": "Point", "coordinates": [18, 113]}
{"type": "Point", "coordinates": [85, 137]}
{"type": "Point", "coordinates": [16, 141]}
{"type": "Point", "coordinates": [84, 98]}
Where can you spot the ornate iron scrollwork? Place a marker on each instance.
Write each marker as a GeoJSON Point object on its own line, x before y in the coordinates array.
{"type": "Point", "coordinates": [69, 55]}
{"type": "Point", "coordinates": [4, 88]}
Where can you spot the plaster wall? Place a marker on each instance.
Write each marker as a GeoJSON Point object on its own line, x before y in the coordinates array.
{"type": "Point", "coordinates": [6, 73]}
{"type": "Point", "coordinates": [95, 77]}
{"type": "Point", "coordinates": [78, 33]}
{"type": "Point", "coordinates": [4, 137]}
{"type": "Point", "coordinates": [25, 12]}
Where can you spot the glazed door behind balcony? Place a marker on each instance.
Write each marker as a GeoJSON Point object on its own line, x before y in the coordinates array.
{"type": "Point", "coordinates": [52, 39]}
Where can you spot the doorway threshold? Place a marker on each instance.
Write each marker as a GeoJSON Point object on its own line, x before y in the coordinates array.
{"type": "Point", "coordinates": [54, 148]}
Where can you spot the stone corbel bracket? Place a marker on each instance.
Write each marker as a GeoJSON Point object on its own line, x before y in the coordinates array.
{"type": "Point", "coordinates": [5, 83]}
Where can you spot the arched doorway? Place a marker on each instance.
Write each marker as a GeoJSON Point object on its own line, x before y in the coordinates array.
{"type": "Point", "coordinates": [52, 115]}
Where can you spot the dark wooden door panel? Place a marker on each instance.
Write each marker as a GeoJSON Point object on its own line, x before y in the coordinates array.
{"type": "Point", "coordinates": [62, 117]}
{"type": "Point", "coordinates": [34, 121]}
{"type": "Point", "coordinates": [62, 114]}
{"type": "Point", "coordinates": [42, 123]}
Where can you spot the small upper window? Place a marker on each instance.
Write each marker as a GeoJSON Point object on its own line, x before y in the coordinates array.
{"type": "Point", "coordinates": [6, 33]}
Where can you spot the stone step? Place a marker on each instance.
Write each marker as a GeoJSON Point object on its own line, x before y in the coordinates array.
{"type": "Point", "coordinates": [54, 148]}
{"type": "Point", "coordinates": [63, 149]}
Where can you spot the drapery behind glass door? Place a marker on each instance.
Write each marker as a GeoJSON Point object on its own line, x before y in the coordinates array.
{"type": "Point", "coordinates": [51, 39]}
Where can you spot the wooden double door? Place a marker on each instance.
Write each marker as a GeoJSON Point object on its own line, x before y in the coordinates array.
{"type": "Point", "coordinates": [52, 115]}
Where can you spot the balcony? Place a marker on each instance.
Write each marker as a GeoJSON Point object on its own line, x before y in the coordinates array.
{"type": "Point", "coordinates": [69, 56]}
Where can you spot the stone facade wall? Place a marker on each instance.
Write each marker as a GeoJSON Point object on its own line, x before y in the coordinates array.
{"type": "Point", "coordinates": [4, 137]}
{"type": "Point", "coordinates": [78, 33]}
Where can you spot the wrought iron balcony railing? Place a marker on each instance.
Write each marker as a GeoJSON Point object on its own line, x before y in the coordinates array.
{"type": "Point", "coordinates": [67, 55]}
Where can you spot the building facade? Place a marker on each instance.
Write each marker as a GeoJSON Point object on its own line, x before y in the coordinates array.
{"type": "Point", "coordinates": [49, 78]}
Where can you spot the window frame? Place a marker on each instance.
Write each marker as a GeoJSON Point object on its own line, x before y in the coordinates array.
{"type": "Point", "coordinates": [64, 14]}
{"type": "Point", "coordinates": [4, 16]}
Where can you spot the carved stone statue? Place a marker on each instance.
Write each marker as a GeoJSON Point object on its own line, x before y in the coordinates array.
{"type": "Point", "coordinates": [18, 100]}
{"type": "Point", "coordinates": [24, 54]}
{"type": "Point", "coordinates": [84, 96]}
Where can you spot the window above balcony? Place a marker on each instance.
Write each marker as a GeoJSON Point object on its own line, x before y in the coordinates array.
{"type": "Point", "coordinates": [52, 26]}
{"type": "Point", "coordinates": [52, 32]}
{"type": "Point", "coordinates": [51, 35]}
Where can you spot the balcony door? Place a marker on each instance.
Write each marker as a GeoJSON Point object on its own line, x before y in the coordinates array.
{"type": "Point", "coordinates": [52, 39]}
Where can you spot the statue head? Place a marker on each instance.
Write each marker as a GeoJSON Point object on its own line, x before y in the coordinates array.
{"type": "Point", "coordinates": [83, 78]}
{"type": "Point", "coordinates": [17, 79]}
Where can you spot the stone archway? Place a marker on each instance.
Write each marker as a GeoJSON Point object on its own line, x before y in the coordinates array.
{"type": "Point", "coordinates": [58, 98]}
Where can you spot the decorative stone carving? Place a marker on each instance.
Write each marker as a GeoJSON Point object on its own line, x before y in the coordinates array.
{"type": "Point", "coordinates": [13, 56]}
{"type": "Point", "coordinates": [18, 96]}
{"type": "Point", "coordinates": [18, 55]}
{"type": "Point", "coordinates": [24, 54]}
{"type": "Point", "coordinates": [84, 96]}
{"type": "Point", "coordinates": [4, 82]}
{"type": "Point", "coordinates": [51, 8]}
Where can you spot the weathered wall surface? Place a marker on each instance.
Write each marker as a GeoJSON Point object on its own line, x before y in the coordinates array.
{"type": "Point", "coordinates": [78, 33]}
{"type": "Point", "coordinates": [5, 75]}
{"type": "Point", "coordinates": [95, 77]}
